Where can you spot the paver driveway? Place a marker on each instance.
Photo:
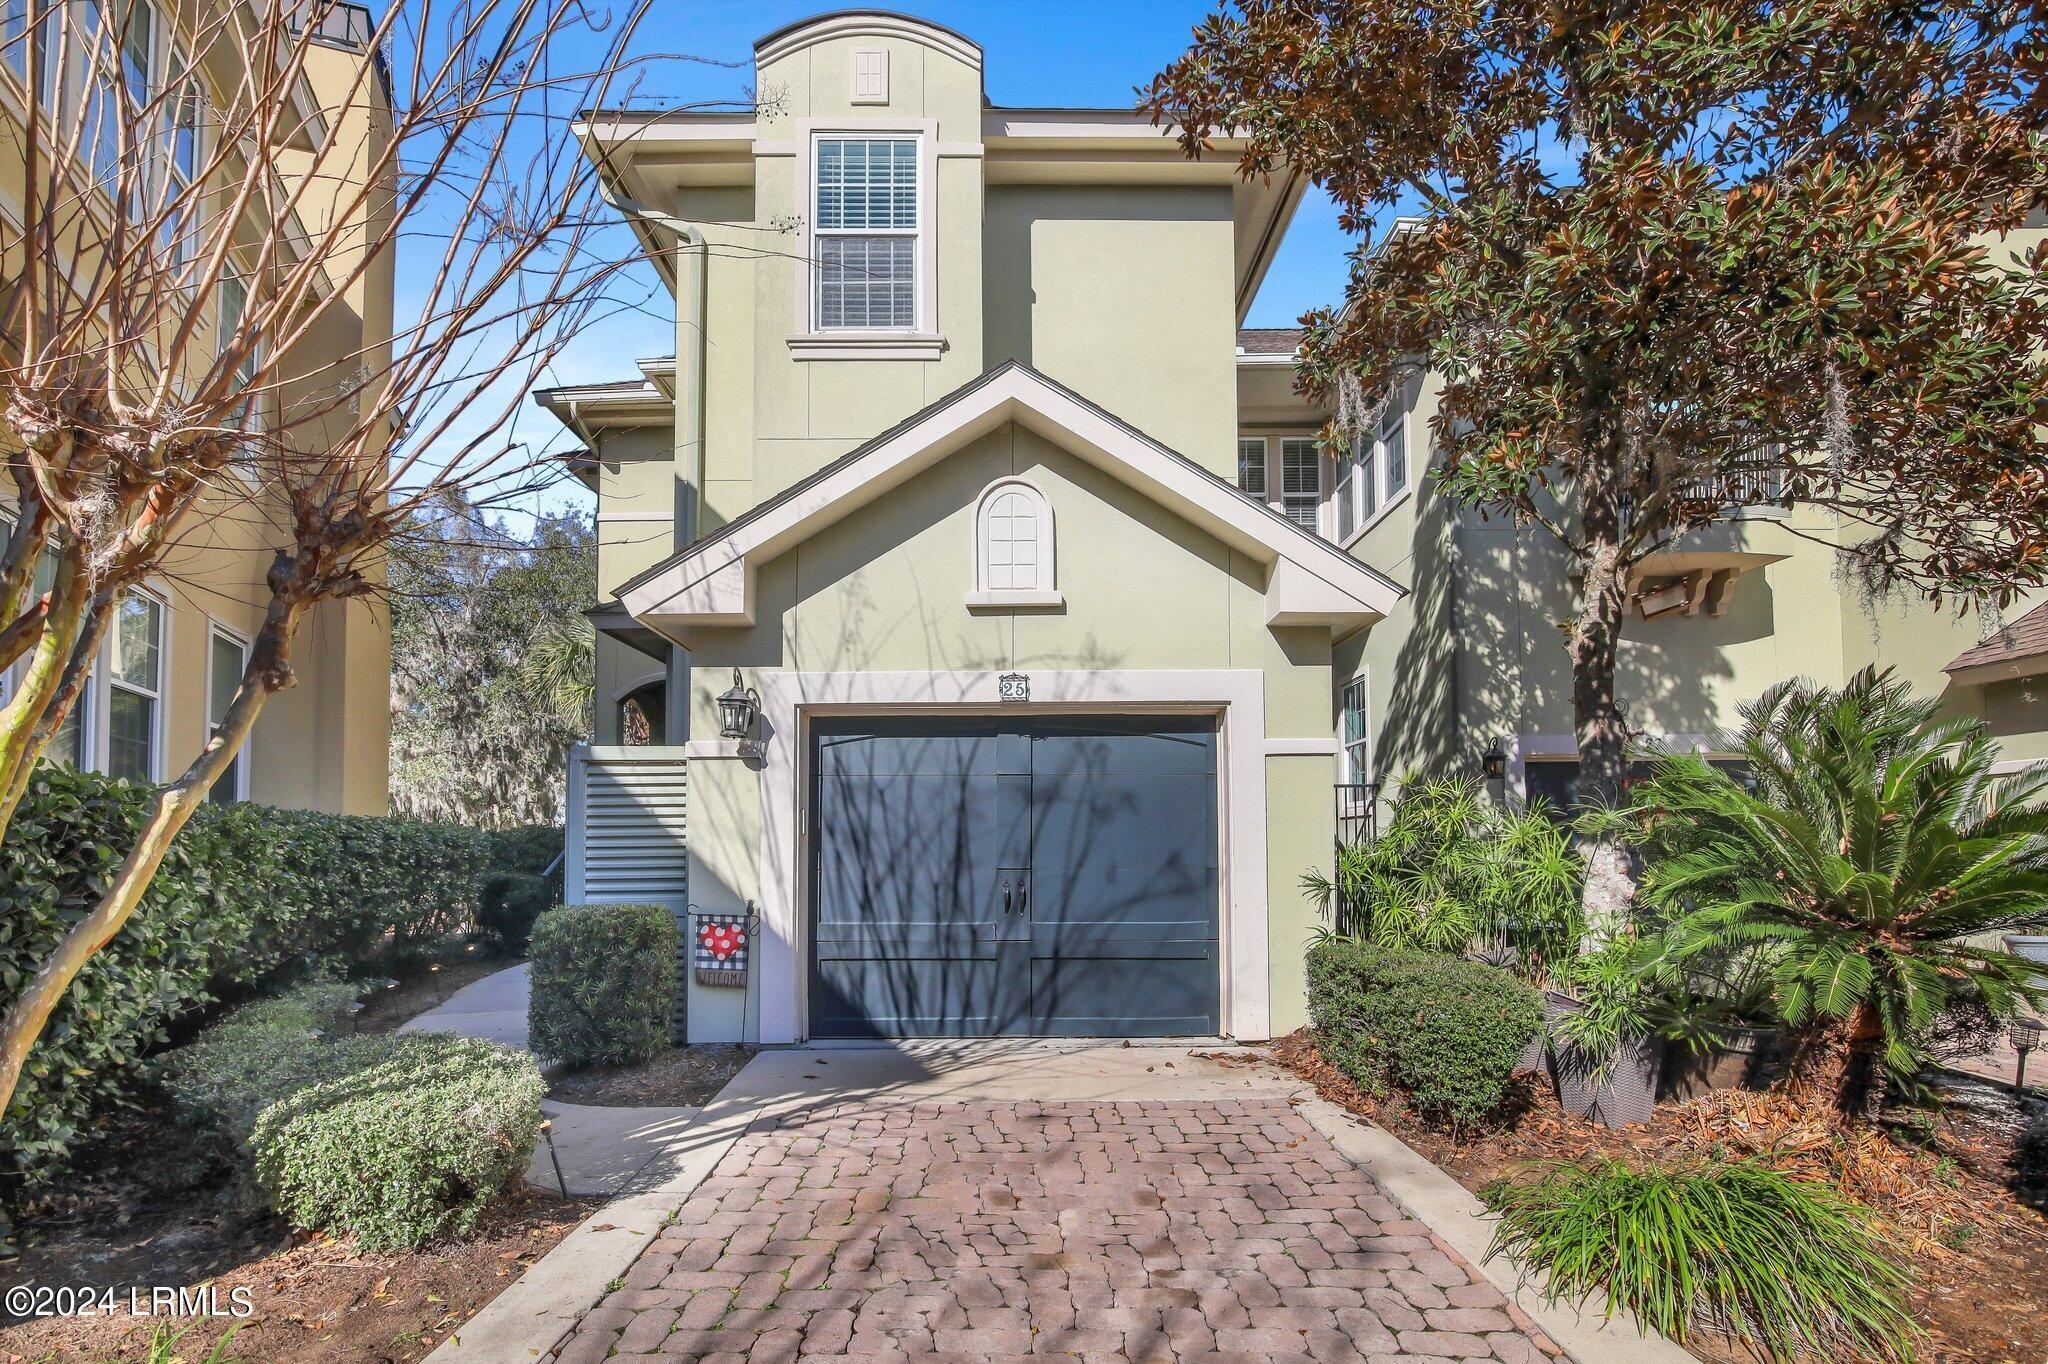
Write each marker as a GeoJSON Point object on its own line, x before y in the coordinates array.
{"type": "Point", "coordinates": [1144, 1231]}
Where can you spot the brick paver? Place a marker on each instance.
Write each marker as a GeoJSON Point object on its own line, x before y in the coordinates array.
{"type": "Point", "coordinates": [995, 1231]}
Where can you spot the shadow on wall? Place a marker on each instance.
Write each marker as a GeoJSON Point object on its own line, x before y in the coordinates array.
{"type": "Point", "coordinates": [1485, 655]}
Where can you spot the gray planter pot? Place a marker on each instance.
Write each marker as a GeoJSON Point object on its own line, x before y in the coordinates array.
{"type": "Point", "coordinates": [2034, 947]}
{"type": "Point", "coordinates": [1744, 1058]}
{"type": "Point", "coordinates": [1621, 1092]}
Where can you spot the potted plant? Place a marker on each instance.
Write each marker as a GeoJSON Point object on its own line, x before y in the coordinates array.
{"type": "Point", "coordinates": [1719, 1028]}
{"type": "Point", "coordinates": [1605, 1035]}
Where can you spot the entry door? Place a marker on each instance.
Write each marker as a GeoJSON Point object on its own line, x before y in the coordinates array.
{"type": "Point", "coordinates": [988, 878]}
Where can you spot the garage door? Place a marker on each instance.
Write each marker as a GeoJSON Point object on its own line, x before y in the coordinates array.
{"type": "Point", "coordinates": [981, 878]}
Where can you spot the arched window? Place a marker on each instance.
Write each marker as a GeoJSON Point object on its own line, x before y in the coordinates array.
{"type": "Point", "coordinates": [1013, 549]}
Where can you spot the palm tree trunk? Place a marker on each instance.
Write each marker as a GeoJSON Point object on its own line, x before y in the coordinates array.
{"type": "Point", "coordinates": [1837, 1069]}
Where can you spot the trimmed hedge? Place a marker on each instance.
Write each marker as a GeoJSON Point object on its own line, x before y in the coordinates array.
{"type": "Point", "coordinates": [405, 1149]}
{"type": "Point", "coordinates": [604, 984]}
{"type": "Point", "coordinates": [223, 1080]}
{"type": "Point", "coordinates": [248, 897]}
{"type": "Point", "coordinates": [507, 903]}
{"type": "Point", "coordinates": [1446, 1031]}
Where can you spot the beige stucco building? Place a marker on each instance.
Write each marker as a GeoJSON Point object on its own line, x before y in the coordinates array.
{"type": "Point", "coordinates": [1058, 643]}
{"type": "Point", "coordinates": [164, 673]}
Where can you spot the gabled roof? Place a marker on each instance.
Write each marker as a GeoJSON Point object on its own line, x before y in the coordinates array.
{"type": "Point", "coordinates": [711, 582]}
{"type": "Point", "coordinates": [2018, 650]}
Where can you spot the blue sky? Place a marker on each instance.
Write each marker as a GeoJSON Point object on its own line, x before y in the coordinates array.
{"type": "Point", "coordinates": [1037, 52]}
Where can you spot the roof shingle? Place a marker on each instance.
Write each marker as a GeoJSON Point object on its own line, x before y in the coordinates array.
{"type": "Point", "coordinates": [1270, 340]}
{"type": "Point", "coordinates": [2026, 637]}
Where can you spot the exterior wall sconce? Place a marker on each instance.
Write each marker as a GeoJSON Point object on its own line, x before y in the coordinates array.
{"type": "Point", "coordinates": [1493, 764]}
{"type": "Point", "coordinates": [738, 708]}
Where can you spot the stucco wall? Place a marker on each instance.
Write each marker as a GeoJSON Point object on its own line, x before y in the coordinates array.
{"type": "Point", "coordinates": [884, 590]}
{"type": "Point", "coordinates": [1124, 294]}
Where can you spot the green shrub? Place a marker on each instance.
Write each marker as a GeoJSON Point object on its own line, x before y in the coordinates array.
{"type": "Point", "coordinates": [248, 898]}
{"type": "Point", "coordinates": [604, 984]}
{"type": "Point", "coordinates": [1446, 1031]}
{"type": "Point", "coordinates": [224, 1079]}
{"type": "Point", "coordinates": [1453, 868]}
{"type": "Point", "coordinates": [1790, 1267]}
{"type": "Point", "coordinates": [507, 903]}
{"type": "Point", "coordinates": [409, 1148]}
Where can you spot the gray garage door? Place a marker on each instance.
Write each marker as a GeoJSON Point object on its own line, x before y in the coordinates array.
{"type": "Point", "coordinates": [982, 878]}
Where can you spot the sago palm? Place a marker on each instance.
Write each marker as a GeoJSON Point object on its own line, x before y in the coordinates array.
{"type": "Point", "coordinates": [1873, 861]}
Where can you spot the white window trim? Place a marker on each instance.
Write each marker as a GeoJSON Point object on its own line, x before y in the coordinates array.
{"type": "Point", "coordinates": [1388, 499]}
{"type": "Point", "coordinates": [1363, 681]}
{"type": "Point", "coordinates": [243, 759]}
{"type": "Point", "coordinates": [97, 719]}
{"type": "Point", "coordinates": [921, 342]}
{"type": "Point", "coordinates": [1276, 492]}
{"type": "Point", "coordinates": [1047, 592]}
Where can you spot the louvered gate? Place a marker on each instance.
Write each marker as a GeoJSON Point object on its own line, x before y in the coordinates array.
{"type": "Point", "coordinates": [628, 821]}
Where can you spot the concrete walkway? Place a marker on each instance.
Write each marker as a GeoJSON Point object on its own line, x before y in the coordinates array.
{"type": "Point", "coordinates": [959, 1193]}
{"type": "Point", "coordinates": [601, 1151]}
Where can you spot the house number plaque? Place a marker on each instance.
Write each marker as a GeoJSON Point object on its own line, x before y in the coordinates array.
{"type": "Point", "coordinates": [1014, 687]}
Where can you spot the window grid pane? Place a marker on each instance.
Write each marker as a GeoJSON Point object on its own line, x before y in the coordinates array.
{"type": "Point", "coordinates": [229, 658]}
{"type": "Point", "coordinates": [138, 628]}
{"type": "Point", "coordinates": [1394, 444]}
{"type": "Point", "coordinates": [866, 282]}
{"type": "Point", "coordinates": [867, 183]}
{"type": "Point", "coordinates": [1357, 764]}
{"type": "Point", "coordinates": [1300, 481]}
{"type": "Point", "coordinates": [1251, 466]}
{"type": "Point", "coordinates": [131, 734]}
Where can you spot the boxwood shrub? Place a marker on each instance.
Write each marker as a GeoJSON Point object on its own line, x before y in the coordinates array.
{"type": "Point", "coordinates": [604, 984]}
{"type": "Point", "coordinates": [507, 903]}
{"type": "Point", "coordinates": [408, 1148]}
{"type": "Point", "coordinates": [223, 1079]}
{"type": "Point", "coordinates": [248, 898]}
{"type": "Point", "coordinates": [1446, 1031]}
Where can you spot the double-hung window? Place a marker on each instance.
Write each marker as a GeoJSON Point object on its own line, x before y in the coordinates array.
{"type": "Point", "coordinates": [14, 35]}
{"type": "Point", "coordinates": [865, 233]}
{"type": "Point", "coordinates": [1373, 474]}
{"type": "Point", "coordinates": [1285, 473]}
{"type": "Point", "coordinates": [1301, 481]}
{"type": "Point", "coordinates": [135, 678]}
{"type": "Point", "coordinates": [227, 659]}
{"type": "Point", "coordinates": [1355, 734]}
{"type": "Point", "coordinates": [1251, 466]}
{"type": "Point", "coordinates": [181, 211]}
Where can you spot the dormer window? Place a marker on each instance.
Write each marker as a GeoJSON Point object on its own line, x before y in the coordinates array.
{"type": "Point", "coordinates": [1013, 547]}
{"type": "Point", "coordinates": [865, 234]}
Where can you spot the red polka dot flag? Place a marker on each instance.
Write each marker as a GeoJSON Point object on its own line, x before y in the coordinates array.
{"type": "Point", "coordinates": [721, 949]}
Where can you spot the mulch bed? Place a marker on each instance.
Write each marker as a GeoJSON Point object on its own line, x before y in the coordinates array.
{"type": "Point", "coordinates": [458, 964]}
{"type": "Point", "coordinates": [1980, 1252]}
{"type": "Point", "coordinates": [312, 1298]}
{"type": "Point", "coordinates": [142, 1210]}
{"type": "Point", "coordinates": [680, 1077]}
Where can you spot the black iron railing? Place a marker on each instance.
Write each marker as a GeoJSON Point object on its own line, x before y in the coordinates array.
{"type": "Point", "coordinates": [1357, 822]}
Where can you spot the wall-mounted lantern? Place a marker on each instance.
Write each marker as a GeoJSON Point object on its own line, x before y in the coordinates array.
{"type": "Point", "coordinates": [738, 708]}
{"type": "Point", "coordinates": [1493, 764]}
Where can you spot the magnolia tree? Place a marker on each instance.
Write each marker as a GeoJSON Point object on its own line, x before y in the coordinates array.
{"type": "Point", "coordinates": [199, 325]}
{"type": "Point", "coordinates": [1655, 251]}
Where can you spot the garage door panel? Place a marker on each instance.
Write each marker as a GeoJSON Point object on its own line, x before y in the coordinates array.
{"type": "Point", "coordinates": [1102, 828]}
{"type": "Point", "coordinates": [1104, 997]}
{"type": "Point", "coordinates": [906, 997]}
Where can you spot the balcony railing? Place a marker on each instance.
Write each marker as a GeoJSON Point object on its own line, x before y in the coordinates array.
{"type": "Point", "coordinates": [1735, 491]}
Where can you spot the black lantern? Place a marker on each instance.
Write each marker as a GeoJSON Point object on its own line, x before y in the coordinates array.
{"type": "Point", "coordinates": [1493, 764]}
{"type": "Point", "coordinates": [2025, 1035]}
{"type": "Point", "coordinates": [737, 708]}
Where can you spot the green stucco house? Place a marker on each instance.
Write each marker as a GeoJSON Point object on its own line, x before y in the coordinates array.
{"type": "Point", "coordinates": [1059, 647]}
